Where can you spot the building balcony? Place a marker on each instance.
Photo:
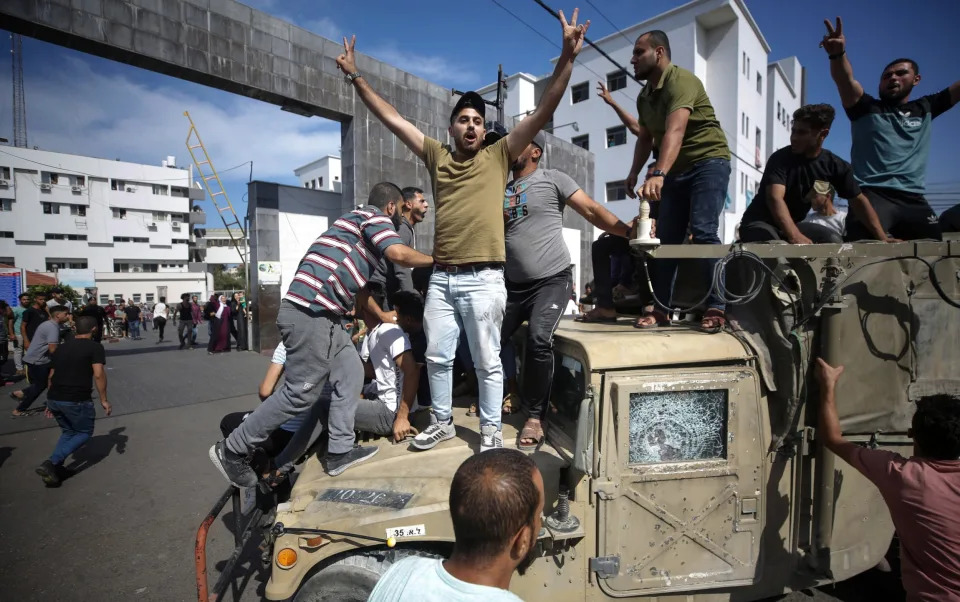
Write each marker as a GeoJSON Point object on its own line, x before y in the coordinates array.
{"type": "Point", "coordinates": [198, 243]}
{"type": "Point", "coordinates": [196, 194]}
{"type": "Point", "coordinates": [198, 217]}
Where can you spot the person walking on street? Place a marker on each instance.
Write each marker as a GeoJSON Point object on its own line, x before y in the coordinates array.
{"type": "Point", "coordinates": [219, 312]}
{"type": "Point", "coordinates": [41, 347]}
{"type": "Point", "coordinates": [496, 500]}
{"type": "Point", "coordinates": [467, 290]}
{"type": "Point", "coordinates": [331, 274]}
{"type": "Point", "coordinates": [93, 309]}
{"type": "Point", "coordinates": [196, 313]}
{"type": "Point", "coordinates": [15, 337]}
{"type": "Point", "coordinates": [6, 327]}
{"type": "Point", "coordinates": [691, 173]}
{"type": "Point", "coordinates": [35, 315]}
{"type": "Point", "coordinates": [74, 365]}
{"type": "Point", "coordinates": [131, 315]}
{"type": "Point", "coordinates": [160, 317]}
{"type": "Point", "coordinates": [890, 141]}
{"type": "Point", "coordinates": [185, 324]}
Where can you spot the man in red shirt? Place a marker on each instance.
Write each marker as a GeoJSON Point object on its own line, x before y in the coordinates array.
{"type": "Point", "coordinates": [922, 492]}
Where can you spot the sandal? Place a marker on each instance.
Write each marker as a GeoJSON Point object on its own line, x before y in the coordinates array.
{"type": "Point", "coordinates": [713, 321]}
{"type": "Point", "coordinates": [594, 317]}
{"type": "Point", "coordinates": [652, 319]}
{"type": "Point", "coordinates": [508, 403]}
{"type": "Point", "coordinates": [532, 431]}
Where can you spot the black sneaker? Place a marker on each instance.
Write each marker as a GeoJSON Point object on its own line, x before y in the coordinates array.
{"type": "Point", "coordinates": [337, 463]}
{"type": "Point", "coordinates": [234, 467]}
{"type": "Point", "coordinates": [48, 472]}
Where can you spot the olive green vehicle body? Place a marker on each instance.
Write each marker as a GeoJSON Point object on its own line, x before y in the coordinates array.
{"type": "Point", "coordinates": [691, 459]}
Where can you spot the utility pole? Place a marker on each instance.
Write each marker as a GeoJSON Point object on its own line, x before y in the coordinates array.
{"type": "Point", "coordinates": [19, 100]}
{"type": "Point", "coordinates": [498, 103]}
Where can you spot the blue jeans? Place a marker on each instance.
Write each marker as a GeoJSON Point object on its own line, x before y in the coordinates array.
{"type": "Point", "coordinates": [134, 329]}
{"type": "Point", "coordinates": [76, 425]}
{"type": "Point", "coordinates": [474, 301]}
{"type": "Point", "coordinates": [193, 335]}
{"type": "Point", "coordinates": [694, 198]}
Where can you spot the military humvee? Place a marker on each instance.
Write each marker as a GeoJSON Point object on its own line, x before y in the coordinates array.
{"type": "Point", "coordinates": [677, 464]}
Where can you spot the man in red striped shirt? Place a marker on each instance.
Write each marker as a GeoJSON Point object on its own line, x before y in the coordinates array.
{"type": "Point", "coordinates": [334, 270]}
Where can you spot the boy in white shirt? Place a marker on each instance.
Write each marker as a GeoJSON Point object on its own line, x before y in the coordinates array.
{"type": "Point", "coordinates": [388, 359]}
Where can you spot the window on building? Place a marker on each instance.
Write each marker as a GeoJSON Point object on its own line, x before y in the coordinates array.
{"type": "Point", "coordinates": [746, 131]}
{"type": "Point", "coordinates": [759, 83]}
{"type": "Point", "coordinates": [759, 135]}
{"type": "Point", "coordinates": [178, 191]}
{"type": "Point", "coordinates": [179, 241]}
{"type": "Point", "coordinates": [320, 183]}
{"type": "Point", "coordinates": [160, 189]}
{"type": "Point", "coordinates": [581, 141]}
{"type": "Point", "coordinates": [779, 111]}
{"type": "Point", "coordinates": [51, 208]}
{"type": "Point", "coordinates": [616, 136]}
{"type": "Point", "coordinates": [150, 267]}
{"type": "Point", "coordinates": [137, 297]}
{"type": "Point", "coordinates": [6, 234]}
{"type": "Point", "coordinates": [4, 173]}
{"type": "Point", "coordinates": [159, 216]}
{"type": "Point", "coordinates": [77, 265]}
{"type": "Point", "coordinates": [53, 266]}
{"type": "Point", "coordinates": [616, 191]}
{"type": "Point", "coordinates": [117, 298]}
{"type": "Point", "coordinates": [76, 237]}
{"type": "Point", "coordinates": [6, 205]}
{"type": "Point", "coordinates": [104, 299]}
{"type": "Point", "coordinates": [49, 236]}
{"type": "Point", "coordinates": [150, 297]}
{"type": "Point", "coordinates": [579, 92]}
{"type": "Point", "coordinates": [119, 213]}
{"type": "Point", "coordinates": [54, 178]}
{"type": "Point", "coordinates": [140, 239]}
{"type": "Point", "coordinates": [121, 239]}
{"type": "Point", "coordinates": [743, 68]}
{"type": "Point", "coordinates": [743, 123]}
{"type": "Point", "coordinates": [748, 67]}
{"type": "Point", "coordinates": [121, 267]}
{"type": "Point", "coordinates": [80, 210]}
{"type": "Point", "coordinates": [616, 81]}
{"type": "Point", "coordinates": [81, 181]}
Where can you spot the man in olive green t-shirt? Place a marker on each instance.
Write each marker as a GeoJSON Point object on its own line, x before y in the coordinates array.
{"type": "Point", "coordinates": [467, 286]}
{"type": "Point", "coordinates": [692, 170]}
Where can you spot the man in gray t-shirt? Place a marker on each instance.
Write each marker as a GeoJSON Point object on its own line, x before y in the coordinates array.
{"type": "Point", "coordinates": [538, 272]}
{"type": "Point", "coordinates": [37, 358]}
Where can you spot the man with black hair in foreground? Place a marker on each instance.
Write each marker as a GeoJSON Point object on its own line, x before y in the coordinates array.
{"type": "Point", "coordinates": [336, 266]}
{"type": "Point", "coordinates": [496, 499]}
{"type": "Point", "coordinates": [922, 492]}
{"type": "Point", "coordinates": [75, 363]}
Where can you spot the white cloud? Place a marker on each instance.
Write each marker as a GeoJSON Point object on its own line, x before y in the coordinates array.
{"type": "Point", "coordinates": [77, 110]}
{"type": "Point", "coordinates": [434, 68]}
{"type": "Point", "coordinates": [324, 27]}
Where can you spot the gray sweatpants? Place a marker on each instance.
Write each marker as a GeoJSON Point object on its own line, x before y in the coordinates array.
{"type": "Point", "coordinates": [318, 348]}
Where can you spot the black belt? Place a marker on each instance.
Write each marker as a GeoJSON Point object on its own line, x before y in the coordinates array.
{"type": "Point", "coordinates": [468, 267]}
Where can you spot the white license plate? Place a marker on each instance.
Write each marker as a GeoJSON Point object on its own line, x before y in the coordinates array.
{"type": "Point", "coordinates": [411, 531]}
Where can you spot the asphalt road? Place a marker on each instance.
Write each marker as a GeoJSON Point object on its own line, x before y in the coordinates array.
{"type": "Point", "coordinates": [123, 527]}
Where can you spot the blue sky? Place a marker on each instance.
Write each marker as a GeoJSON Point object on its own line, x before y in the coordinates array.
{"type": "Point", "coordinates": [87, 105]}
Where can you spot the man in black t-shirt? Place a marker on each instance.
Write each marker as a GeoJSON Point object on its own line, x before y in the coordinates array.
{"type": "Point", "coordinates": [33, 317]}
{"type": "Point", "coordinates": [70, 398]}
{"type": "Point", "coordinates": [794, 175]}
{"type": "Point", "coordinates": [132, 318]}
{"type": "Point", "coordinates": [94, 310]}
{"type": "Point", "coordinates": [184, 320]}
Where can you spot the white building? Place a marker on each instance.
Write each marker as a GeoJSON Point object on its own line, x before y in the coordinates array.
{"type": "Point", "coordinates": [322, 174]}
{"type": "Point", "coordinates": [220, 247]}
{"type": "Point", "coordinates": [718, 41]}
{"type": "Point", "coordinates": [59, 210]}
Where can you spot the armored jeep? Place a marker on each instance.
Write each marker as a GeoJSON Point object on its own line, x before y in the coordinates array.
{"type": "Point", "coordinates": [677, 464]}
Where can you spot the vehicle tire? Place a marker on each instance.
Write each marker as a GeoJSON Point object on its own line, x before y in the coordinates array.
{"type": "Point", "coordinates": [352, 578]}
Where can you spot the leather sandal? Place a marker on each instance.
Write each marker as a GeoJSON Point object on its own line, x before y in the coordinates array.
{"type": "Point", "coordinates": [532, 431]}
{"type": "Point", "coordinates": [713, 321]}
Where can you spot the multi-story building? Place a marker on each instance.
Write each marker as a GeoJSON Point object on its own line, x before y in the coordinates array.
{"type": "Point", "coordinates": [220, 247]}
{"type": "Point", "coordinates": [322, 174]}
{"type": "Point", "coordinates": [59, 211]}
{"type": "Point", "coordinates": [718, 41]}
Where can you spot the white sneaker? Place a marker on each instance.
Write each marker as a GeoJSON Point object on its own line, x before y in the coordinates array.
{"type": "Point", "coordinates": [435, 433]}
{"type": "Point", "coordinates": [491, 437]}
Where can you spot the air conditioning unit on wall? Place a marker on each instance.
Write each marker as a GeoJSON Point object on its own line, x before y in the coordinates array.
{"type": "Point", "coordinates": [46, 186]}
{"type": "Point", "coordinates": [76, 188]}
{"type": "Point", "coordinates": [175, 225]}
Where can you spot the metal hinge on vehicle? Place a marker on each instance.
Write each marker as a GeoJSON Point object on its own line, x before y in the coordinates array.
{"type": "Point", "coordinates": [605, 566]}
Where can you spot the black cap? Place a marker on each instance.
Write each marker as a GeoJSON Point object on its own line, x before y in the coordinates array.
{"type": "Point", "coordinates": [495, 131]}
{"type": "Point", "coordinates": [471, 99]}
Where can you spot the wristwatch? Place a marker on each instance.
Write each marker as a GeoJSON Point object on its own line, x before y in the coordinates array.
{"type": "Point", "coordinates": [658, 173]}
{"type": "Point", "coordinates": [353, 76]}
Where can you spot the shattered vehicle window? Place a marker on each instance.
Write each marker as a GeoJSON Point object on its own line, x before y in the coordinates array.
{"type": "Point", "coordinates": [678, 426]}
{"type": "Point", "coordinates": [569, 385]}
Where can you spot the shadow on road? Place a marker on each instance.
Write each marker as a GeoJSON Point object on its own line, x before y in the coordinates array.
{"type": "Point", "coordinates": [5, 453]}
{"type": "Point", "coordinates": [98, 448]}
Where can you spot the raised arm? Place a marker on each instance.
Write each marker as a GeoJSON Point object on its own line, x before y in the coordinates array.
{"type": "Point", "coordinates": [954, 92]}
{"type": "Point", "coordinates": [841, 70]}
{"type": "Point", "coordinates": [597, 214]}
{"type": "Point", "coordinates": [626, 118]}
{"type": "Point", "coordinates": [522, 134]}
{"type": "Point", "coordinates": [776, 202]}
{"type": "Point", "coordinates": [384, 111]}
{"type": "Point", "coordinates": [829, 427]}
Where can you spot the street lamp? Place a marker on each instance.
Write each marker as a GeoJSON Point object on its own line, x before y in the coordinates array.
{"type": "Point", "coordinates": [576, 127]}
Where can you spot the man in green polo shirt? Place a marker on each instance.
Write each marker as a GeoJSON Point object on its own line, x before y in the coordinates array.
{"type": "Point", "coordinates": [692, 170]}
